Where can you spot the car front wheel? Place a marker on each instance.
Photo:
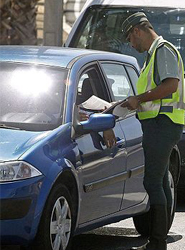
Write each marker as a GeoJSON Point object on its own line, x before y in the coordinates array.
{"type": "Point", "coordinates": [56, 226]}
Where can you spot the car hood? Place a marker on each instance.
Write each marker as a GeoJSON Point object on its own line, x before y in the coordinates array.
{"type": "Point", "coordinates": [13, 143]}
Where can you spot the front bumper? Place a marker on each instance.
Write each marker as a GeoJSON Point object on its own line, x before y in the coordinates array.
{"type": "Point", "coordinates": [18, 203]}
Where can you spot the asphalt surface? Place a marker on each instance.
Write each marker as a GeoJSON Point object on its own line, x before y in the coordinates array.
{"type": "Point", "coordinates": [122, 236]}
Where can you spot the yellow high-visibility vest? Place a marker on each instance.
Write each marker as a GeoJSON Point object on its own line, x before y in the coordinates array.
{"type": "Point", "coordinates": [173, 106]}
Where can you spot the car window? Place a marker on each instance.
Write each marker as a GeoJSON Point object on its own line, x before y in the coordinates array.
{"type": "Point", "coordinates": [133, 76]}
{"type": "Point", "coordinates": [118, 80]}
{"type": "Point", "coordinates": [31, 95]}
{"type": "Point", "coordinates": [90, 83]}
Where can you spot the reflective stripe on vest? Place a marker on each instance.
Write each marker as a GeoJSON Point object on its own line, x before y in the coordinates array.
{"type": "Point", "coordinates": [174, 105]}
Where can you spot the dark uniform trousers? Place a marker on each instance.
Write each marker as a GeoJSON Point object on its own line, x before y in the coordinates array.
{"type": "Point", "coordinates": [160, 135]}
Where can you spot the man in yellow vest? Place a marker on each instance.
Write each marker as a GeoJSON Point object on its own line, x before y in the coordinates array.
{"type": "Point", "coordinates": [160, 105]}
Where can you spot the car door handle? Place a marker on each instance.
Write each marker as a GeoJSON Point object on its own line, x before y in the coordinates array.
{"type": "Point", "coordinates": [120, 143]}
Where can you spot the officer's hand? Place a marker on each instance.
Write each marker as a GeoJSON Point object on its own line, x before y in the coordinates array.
{"type": "Point", "coordinates": [132, 103]}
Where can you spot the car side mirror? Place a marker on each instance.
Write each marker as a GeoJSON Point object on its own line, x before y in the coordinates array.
{"type": "Point", "coordinates": [96, 123]}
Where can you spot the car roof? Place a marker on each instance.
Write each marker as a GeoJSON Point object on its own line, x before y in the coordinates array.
{"type": "Point", "coordinates": [135, 3]}
{"type": "Point", "coordinates": [56, 56]}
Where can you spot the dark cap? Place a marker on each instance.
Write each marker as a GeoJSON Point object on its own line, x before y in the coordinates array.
{"type": "Point", "coordinates": [131, 21]}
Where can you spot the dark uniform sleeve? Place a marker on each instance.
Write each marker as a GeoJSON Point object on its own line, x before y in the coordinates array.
{"type": "Point", "coordinates": [166, 64]}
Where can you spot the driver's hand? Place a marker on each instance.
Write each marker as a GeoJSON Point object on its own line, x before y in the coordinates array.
{"type": "Point", "coordinates": [83, 116]}
{"type": "Point", "coordinates": [109, 138]}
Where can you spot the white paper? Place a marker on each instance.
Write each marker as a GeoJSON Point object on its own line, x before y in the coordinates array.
{"type": "Point", "coordinates": [120, 111]}
{"type": "Point", "coordinates": [95, 103]}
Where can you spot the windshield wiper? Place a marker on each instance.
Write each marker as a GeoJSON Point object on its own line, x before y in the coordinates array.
{"type": "Point", "coordinates": [8, 127]}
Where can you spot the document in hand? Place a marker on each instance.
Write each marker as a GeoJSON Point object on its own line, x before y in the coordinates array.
{"type": "Point", "coordinates": [94, 103]}
{"type": "Point", "coordinates": [117, 110]}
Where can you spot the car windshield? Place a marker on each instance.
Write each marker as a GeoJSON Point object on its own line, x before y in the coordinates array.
{"type": "Point", "coordinates": [101, 29]}
{"type": "Point", "coordinates": [31, 96]}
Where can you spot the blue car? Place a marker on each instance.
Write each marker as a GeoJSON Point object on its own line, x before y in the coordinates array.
{"type": "Point", "coordinates": [57, 176]}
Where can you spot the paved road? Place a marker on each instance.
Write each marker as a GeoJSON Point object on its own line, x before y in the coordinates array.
{"type": "Point", "coordinates": [122, 236]}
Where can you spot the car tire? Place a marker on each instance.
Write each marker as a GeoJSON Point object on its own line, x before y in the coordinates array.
{"type": "Point", "coordinates": [142, 221]}
{"type": "Point", "coordinates": [57, 222]}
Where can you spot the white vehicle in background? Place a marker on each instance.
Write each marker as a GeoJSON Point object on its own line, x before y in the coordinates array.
{"type": "Point", "coordinates": [99, 27]}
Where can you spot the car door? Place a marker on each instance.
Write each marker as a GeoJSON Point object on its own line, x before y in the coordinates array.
{"type": "Point", "coordinates": [124, 76]}
{"type": "Point", "coordinates": [101, 170]}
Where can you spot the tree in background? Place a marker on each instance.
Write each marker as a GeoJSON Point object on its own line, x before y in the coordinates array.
{"type": "Point", "coordinates": [18, 22]}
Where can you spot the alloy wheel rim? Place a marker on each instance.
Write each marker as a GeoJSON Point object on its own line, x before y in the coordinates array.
{"type": "Point", "coordinates": [172, 187]}
{"type": "Point", "coordinates": [60, 224]}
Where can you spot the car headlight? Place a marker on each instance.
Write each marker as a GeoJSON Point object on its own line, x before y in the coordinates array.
{"type": "Point", "coordinates": [11, 171]}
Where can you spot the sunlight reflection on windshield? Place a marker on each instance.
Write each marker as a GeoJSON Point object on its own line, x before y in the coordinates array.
{"type": "Point", "coordinates": [31, 82]}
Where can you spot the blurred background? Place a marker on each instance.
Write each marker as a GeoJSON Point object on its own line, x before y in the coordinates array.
{"type": "Point", "coordinates": [37, 22]}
